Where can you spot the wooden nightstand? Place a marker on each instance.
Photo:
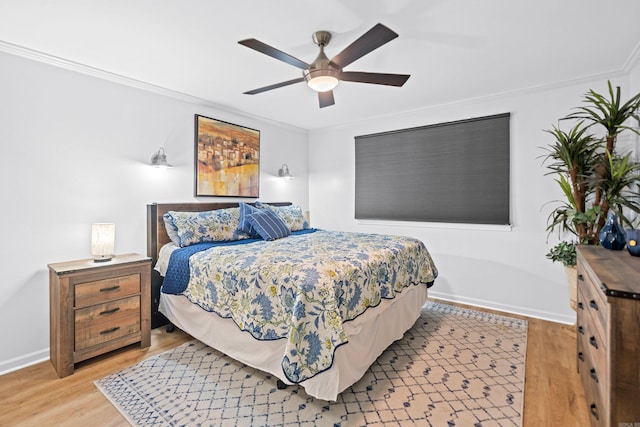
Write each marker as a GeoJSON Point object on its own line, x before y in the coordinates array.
{"type": "Point", "coordinates": [96, 307]}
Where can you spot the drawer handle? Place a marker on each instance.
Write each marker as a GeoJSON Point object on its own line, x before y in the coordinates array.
{"type": "Point", "coordinates": [594, 411]}
{"type": "Point", "coordinates": [581, 277]}
{"type": "Point", "coordinates": [113, 310]}
{"type": "Point", "coordinates": [108, 331]}
{"type": "Point", "coordinates": [581, 356]}
{"type": "Point", "coordinates": [581, 306]}
{"type": "Point", "coordinates": [593, 342]}
{"type": "Point", "coordinates": [593, 304]}
{"type": "Point", "coordinates": [593, 375]}
{"type": "Point", "coordinates": [111, 288]}
{"type": "Point", "coordinates": [581, 330]}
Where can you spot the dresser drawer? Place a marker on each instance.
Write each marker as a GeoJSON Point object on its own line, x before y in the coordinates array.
{"type": "Point", "coordinates": [590, 323]}
{"type": "Point", "coordinates": [592, 301]}
{"type": "Point", "coordinates": [592, 334]}
{"type": "Point", "coordinates": [597, 409]}
{"type": "Point", "coordinates": [594, 352]}
{"type": "Point", "coordinates": [99, 291]}
{"type": "Point", "coordinates": [105, 322]}
{"type": "Point", "coordinates": [592, 364]}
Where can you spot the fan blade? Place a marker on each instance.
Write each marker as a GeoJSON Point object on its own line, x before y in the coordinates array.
{"type": "Point", "coordinates": [274, 86]}
{"type": "Point", "coordinates": [274, 53]}
{"type": "Point", "coordinates": [326, 98]}
{"type": "Point", "coordinates": [374, 78]}
{"type": "Point", "coordinates": [372, 39]}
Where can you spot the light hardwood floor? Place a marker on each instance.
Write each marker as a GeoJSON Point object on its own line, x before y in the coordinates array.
{"type": "Point", "coordinates": [35, 396]}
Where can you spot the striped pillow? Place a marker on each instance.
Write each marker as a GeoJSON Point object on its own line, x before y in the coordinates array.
{"type": "Point", "coordinates": [268, 224]}
{"type": "Point", "coordinates": [291, 215]}
{"type": "Point", "coordinates": [244, 226]}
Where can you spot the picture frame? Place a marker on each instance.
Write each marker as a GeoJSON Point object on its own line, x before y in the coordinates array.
{"type": "Point", "coordinates": [227, 159]}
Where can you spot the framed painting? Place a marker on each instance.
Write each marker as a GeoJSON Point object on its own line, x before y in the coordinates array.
{"type": "Point", "coordinates": [227, 158]}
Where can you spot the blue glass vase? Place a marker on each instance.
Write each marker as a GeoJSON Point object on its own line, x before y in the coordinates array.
{"type": "Point", "coordinates": [612, 234]}
{"type": "Point", "coordinates": [633, 242]}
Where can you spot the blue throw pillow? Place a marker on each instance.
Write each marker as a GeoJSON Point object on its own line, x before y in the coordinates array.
{"type": "Point", "coordinates": [244, 226]}
{"type": "Point", "coordinates": [268, 224]}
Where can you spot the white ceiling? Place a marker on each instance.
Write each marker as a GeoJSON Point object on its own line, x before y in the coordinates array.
{"type": "Point", "coordinates": [454, 50]}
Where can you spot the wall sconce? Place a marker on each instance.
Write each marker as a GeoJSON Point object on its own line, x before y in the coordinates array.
{"type": "Point", "coordinates": [159, 160]}
{"type": "Point", "coordinates": [283, 172]}
{"type": "Point", "coordinates": [103, 238]}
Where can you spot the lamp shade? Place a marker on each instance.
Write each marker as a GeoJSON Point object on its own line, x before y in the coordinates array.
{"type": "Point", "coordinates": [103, 236]}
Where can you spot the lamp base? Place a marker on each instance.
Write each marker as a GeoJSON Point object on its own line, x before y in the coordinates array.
{"type": "Point", "coordinates": [103, 259]}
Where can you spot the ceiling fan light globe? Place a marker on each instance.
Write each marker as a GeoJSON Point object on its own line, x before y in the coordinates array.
{"type": "Point", "coordinates": [322, 83]}
{"type": "Point", "coordinates": [321, 79]}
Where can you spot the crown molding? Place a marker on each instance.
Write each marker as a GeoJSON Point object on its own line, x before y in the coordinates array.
{"type": "Point", "coordinates": [96, 72]}
{"type": "Point", "coordinates": [633, 59]}
{"type": "Point", "coordinates": [66, 64]}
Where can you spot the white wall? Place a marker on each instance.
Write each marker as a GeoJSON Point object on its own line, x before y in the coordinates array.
{"type": "Point", "coordinates": [490, 267]}
{"type": "Point", "coordinates": [75, 150]}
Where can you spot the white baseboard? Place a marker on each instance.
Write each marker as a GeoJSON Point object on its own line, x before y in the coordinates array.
{"type": "Point", "coordinates": [23, 361]}
{"type": "Point", "coordinates": [523, 311]}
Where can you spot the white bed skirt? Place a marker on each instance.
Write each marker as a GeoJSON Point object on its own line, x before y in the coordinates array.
{"type": "Point", "coordinates": [369, 335]}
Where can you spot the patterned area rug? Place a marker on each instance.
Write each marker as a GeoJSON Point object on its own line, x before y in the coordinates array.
{"type": "Point", "coordinates": [455, 367]}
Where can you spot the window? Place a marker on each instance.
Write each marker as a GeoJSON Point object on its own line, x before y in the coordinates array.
{"type": "Point", "coordinates": [455, 172]}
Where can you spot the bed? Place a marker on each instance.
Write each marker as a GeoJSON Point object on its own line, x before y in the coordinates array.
{"type": "Point", "coordinates": [311, 308]}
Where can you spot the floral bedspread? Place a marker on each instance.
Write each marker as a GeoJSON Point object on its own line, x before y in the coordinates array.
{"type": "Point", "coordinates": [303, 287]}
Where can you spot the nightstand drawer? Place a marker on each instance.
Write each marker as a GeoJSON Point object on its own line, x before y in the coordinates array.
{"type": "Point", "coordinates": [105, 322]}
{"type": "Point", "coordinates": [91, 293]}
{"type": "Point", "coordinates": [108, 312]}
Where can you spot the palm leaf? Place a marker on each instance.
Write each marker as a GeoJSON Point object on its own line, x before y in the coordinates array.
{"type": "Point", "coordinates": [607, 111]}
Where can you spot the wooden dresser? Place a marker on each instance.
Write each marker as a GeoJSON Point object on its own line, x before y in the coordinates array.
{"type": "Point", "coordinates": [96, 307]}
{"type": "Point", "coordinates": [609, 335]}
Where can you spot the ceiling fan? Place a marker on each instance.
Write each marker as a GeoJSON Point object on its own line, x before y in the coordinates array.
{"type": "Point", "coordinates": [322, 75]}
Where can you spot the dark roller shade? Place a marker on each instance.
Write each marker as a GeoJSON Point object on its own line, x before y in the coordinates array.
{"type": "Point", "coordinates": [454, 172]}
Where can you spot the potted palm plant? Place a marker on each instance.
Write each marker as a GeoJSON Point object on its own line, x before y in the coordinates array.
{"type": "Point", "coordinates": [595, 180]}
